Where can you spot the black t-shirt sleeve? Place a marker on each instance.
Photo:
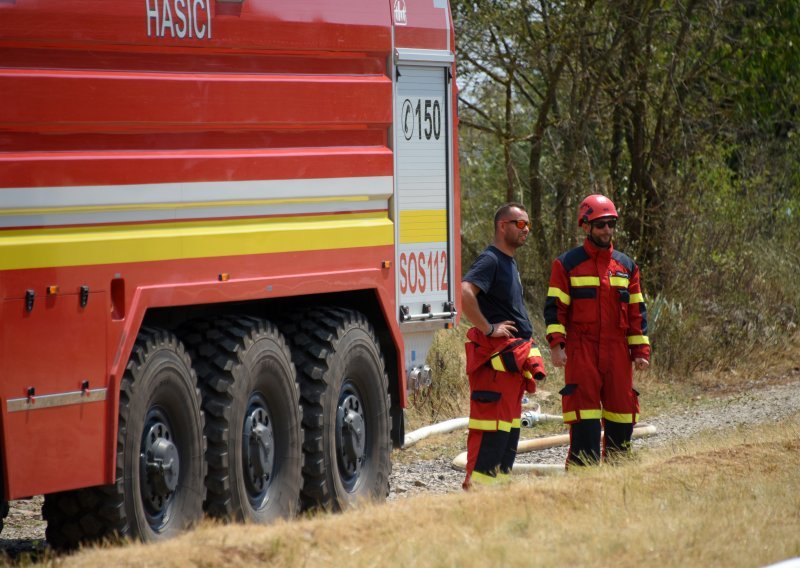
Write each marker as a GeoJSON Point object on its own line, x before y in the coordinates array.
{"type": "Point", "coordinates": [482, 272]}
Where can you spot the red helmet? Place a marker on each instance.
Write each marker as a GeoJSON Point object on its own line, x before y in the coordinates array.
{"type": "Point", "coordinates": [594, 207]}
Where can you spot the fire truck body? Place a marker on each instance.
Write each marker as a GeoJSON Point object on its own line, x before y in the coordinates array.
{"type": "Point", "coordinates": [196, 196]}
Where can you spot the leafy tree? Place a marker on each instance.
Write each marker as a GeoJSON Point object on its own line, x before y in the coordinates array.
{"type": "Point", "coordinates": [684, 112]}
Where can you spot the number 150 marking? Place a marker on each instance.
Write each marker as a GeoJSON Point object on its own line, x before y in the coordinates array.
{"type": "Point", "coordinates": [423, 119]}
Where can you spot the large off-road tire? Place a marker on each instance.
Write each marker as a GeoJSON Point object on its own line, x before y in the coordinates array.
{"type": "Point", "coordinates": [253, 418]}
{"type": "Point", "coordinates": [344, 393]}
{"type": "Point", "coordinates": [160, 467]}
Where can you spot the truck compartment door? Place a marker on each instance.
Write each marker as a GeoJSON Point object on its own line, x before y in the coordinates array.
{"type": "Point", "coordinates": [423, 207]}
{"type": "Point", "coordinates": [423, 193]}
{"type": "Point", "coordinates": [55, 423]}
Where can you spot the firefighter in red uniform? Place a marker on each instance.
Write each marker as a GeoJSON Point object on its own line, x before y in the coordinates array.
{"type": "Point", "coordinates": [502, 360]}
{"type": "Point", "coordinates": [597, 328]}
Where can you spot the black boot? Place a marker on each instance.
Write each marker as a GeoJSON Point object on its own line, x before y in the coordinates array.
{"type": "Point", "coordinates": [617, 441]}
{"type": "Point", "coordinates": [511, 451]}
{"type": "Point", "coordinates": [493, 445]}
{"type": "Point", "coordinates": [584, 445]}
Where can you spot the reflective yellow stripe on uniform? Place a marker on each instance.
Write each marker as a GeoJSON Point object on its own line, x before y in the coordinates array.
{"type": "Point", "coordinates": [554, 292]}
{"type": "Point", "coordinates": [556, 328]}
{"type": "Point", "coordinates": [516, 423]}
{"type": "Point", "coordinates": [619, 281]}
{"type": "Point", "coordinates": [483, 479]}
{"type": "Point", "coordinates": [638, 340]}
{"type": "Point", "coordinates": [503, 477]}
{"type": "Point", "coordinates": [504, 426]}
{"type": "Point", "coordinates": [620, 418]}
{"type": "Point", "coordinates": [527, 374]}
{"type": "Point", "coordinates": [584, 281]}
{"type": "Point", "coordinates": [497, 362]}
{"type": "Point", "coordinates": [593, 414]}
{"type": "Point", "coordinates": [636, 299]}
{"type": "Point", "coordinates": [488, 425]}
{"type": "Point", "coordinates": [570, 416]}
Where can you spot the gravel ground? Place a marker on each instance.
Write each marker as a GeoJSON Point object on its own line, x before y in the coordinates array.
{"type": "Point", "coordinates": [24, 528]}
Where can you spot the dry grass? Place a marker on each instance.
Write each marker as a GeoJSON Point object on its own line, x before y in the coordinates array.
{"type": "Point", "coordinates": [724, 500]}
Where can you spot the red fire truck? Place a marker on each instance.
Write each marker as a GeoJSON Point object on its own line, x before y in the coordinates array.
{"type": "Point", "coordinates": [228, 233]}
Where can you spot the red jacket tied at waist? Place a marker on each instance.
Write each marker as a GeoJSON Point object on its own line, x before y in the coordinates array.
{"type": "Point", "coordinates": [500, 370]}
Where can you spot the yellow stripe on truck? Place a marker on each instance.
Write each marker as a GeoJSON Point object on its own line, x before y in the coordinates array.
{"type": "Point", "coordinates": [423, 226]}
{"type": "Point", "coordinates": [82, 246]}
{"type": "Point", "coordinates": [170, 206]}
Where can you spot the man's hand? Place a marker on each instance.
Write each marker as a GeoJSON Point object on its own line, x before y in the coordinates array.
{"type": "Point", "coordinates": [641, 364]}
{"type": "Point", "coordinates": [504, 329]}
{"type": "Point", "coordinates": [559, 356]}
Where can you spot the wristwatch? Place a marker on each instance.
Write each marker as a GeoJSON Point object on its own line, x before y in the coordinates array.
{"type": "Point", "coordinates": [491, 331]}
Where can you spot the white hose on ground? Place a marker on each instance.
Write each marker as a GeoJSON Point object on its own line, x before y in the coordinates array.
{"type": "Point", "coordinates": [460, 462]}
{"type": "Point", "coordinates": [440, 428]}
{"type": "Point", "coordinates": [529, 419]}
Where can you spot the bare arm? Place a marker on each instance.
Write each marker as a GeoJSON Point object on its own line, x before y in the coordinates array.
{"type": "Point", "coordinates": [469, 304]}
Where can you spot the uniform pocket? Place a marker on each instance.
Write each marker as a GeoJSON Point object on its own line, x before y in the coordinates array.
{"type": "Point", "coordinates": [584, 305]}
{"type": "Point", "coordinates": [635, 403]}
{"type": "Point", "coordinates": [624, 300]}
{"type": "Point", "coordinates": [485, 396]}
{"type": "Point", "coordinates": [568, 389]}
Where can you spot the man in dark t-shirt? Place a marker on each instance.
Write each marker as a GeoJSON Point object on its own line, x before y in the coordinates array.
{"type": "Point", "coordinates": [491, 291]}
{"type": "Point", "coordinates": [491, 294]}
{"type": "Point", "coordinates": [499, 295]}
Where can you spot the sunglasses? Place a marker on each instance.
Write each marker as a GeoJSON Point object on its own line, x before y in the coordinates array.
{"type": "Point", "coordinates": [520, 223]}
{"type": "Point", "coordinates": [612, 223]}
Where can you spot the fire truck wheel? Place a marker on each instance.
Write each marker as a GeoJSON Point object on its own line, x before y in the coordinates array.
{"type": "Point", "coordinates": [160, 445]}
{"type": "Point", "coordinates": [252, 407]}
{"type": "Point", "coordinates": [344, 392]}
{"type": "Point", "coordinates": [160, 466]}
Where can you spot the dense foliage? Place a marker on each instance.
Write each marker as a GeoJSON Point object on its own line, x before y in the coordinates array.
{"type": "Point", "coordinates": [685, 113]}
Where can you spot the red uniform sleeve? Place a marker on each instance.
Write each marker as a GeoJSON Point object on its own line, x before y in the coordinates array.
{"type": "Point", "coordinates": [533, 368]}
{"type": "Point", "coordinates": [557, 304]}
{"type": "Point", "coordinates": [638, 342]}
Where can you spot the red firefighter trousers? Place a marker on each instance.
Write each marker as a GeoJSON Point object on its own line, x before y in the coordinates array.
{"type": "Point", "coordinates": [599, 387]}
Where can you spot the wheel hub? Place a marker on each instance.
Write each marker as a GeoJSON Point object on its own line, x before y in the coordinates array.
{"type": "Point", "coordinates": [259, 449]}
{"type": "Point", "coordinates": [161, 465]}
{"type": "Point", "coordinates": [351, 434]}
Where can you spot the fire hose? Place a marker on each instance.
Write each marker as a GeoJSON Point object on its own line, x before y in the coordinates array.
{"type": "Point", "coordinates": [529, 419]}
